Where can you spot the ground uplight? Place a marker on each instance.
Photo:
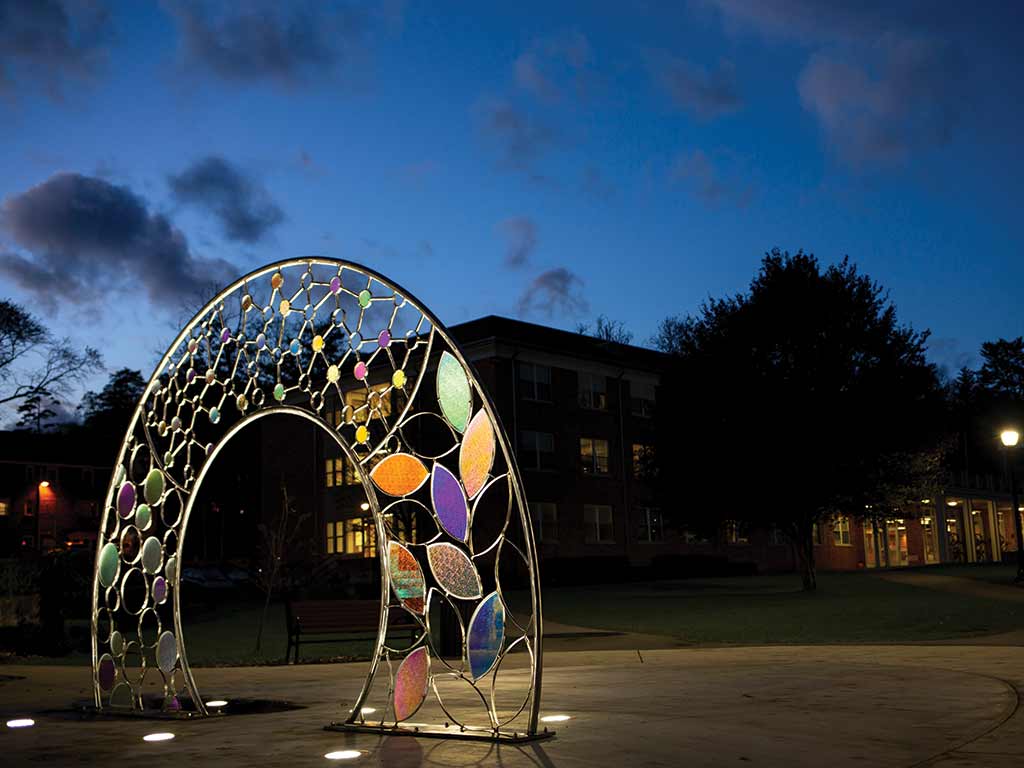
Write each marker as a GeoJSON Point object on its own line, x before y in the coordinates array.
{"type": "Point", "coordinates": [21, 722]}
{"type": "Point", "coordinates": [158, 737]}
{"type": "Point", "coordinates": [555, 718]}
{"type": "Point", "coordinates": [343, 754]}
{"type": "Point", "coordinates": [217, 703]}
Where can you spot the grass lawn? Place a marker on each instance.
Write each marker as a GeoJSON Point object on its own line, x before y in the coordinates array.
{"type": "Point", "coordinates": [848, 608]}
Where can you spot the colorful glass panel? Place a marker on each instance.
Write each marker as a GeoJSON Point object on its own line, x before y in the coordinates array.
{"type": "Point", "coordinates": [166, 652]}
{"type": "Point", "coordinates": [454, 571]}
{"type": "Point", "coordinates": [486, 634]}
{"type": "Point", "coordinates": [109, 557]}
{"type": "Point", "coordinates": [126, 500]}
{"type": "Point", "coordinates": [399, 474]}
{"type": "Point", "coordinates": [476, 455]}
{"type": "Point", "coordinates": [449, 502]}
{"type": "Point", "coordinates": [453, 392]}
{"type": "Point", "coordinates": [406, 577]}
{"type": "Point", "coordinates": [411, 684]}
{"type": "Point", "coordinates": [154, 488]}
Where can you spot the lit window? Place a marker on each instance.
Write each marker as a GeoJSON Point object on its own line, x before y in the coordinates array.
{"type": "Point", "coordinates": [536, 450]}
{"type": "Point", "coordinates": [356, 536]}
{"type": "Point", "coordinates": [841, 531]}
{"type": "Point", "coordinates": [592, 393]}
{"type": "Point", "coordinates": [597, 523]}
{"type": "Point", "coordinates": [649, 519]}
{"type": "Point", "coordinates": [594, 456]}
{"type": "Point", "coordinates": [334, 470]}
{"type": "Point", "coordinates": [545, 517]}
{"type": "Point", "coordinates": [403, 523]}
{"type": "Point", "coordinates": [535, 382]}
{"type": "Point", "coordinates": [361, 402]}
{"type": "Point", "coordinates": [736, 533]}
{"type": "Point", "coordinates": [643, 460]}
{"type": "Point", "coordinates": [4, 508]}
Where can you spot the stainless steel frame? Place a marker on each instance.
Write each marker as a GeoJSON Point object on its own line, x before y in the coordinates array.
{"type": "Point", "coordinates": [179, 452]}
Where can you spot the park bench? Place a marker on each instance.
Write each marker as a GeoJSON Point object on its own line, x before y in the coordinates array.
{"type": "Point", "coordinates": [338, 620]}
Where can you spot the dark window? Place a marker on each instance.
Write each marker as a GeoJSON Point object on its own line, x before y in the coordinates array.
{"type": "Point", "coordinates": [535, 382]}
{"type": "Point", "coordinates": [593, 392]}
{"type": "Point", "coordinates": [649, 519]}
{"type": "Point", "coordinates": [536, 450]}
{"type": "Point", "coordinates": [597, 523]}
{"type": "Point", "coordinates": [545, 517]}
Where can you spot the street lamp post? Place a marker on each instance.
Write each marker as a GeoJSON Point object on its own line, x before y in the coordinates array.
{"type": "Point", "coordinates": [1009, 439]}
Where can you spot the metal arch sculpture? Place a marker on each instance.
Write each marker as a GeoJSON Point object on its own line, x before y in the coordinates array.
{"type": "Point", "coordinates": [288, 338]}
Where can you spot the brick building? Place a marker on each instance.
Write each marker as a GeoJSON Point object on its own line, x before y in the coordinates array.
{"type": "Point", "coordinates": [50, 492]}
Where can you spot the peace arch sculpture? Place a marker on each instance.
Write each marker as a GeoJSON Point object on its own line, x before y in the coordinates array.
{"type": "Point", "coordinates": [292, 338]}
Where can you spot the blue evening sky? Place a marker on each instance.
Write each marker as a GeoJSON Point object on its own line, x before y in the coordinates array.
{"type": "Point", "coordinates": [551, 161]}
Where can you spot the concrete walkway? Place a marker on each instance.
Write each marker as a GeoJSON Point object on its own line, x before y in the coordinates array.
{"type": "Point", "coordinates": [898, 706]}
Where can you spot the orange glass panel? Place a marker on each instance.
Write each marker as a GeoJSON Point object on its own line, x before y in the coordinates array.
{"type": "Point", "coordinates": [476, 456]}
{"type": "Point", "coordinates": [399, 474]}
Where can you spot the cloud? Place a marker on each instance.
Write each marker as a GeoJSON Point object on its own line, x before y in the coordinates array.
{"type": "Point", "coordinates": [810, 20]}
{"type": "Point", "coordinates": [547, 62]}
{"type": "Point", "coordinates": [291, 44]}
{"type": "Point", "coordinates": [705, 93]}
{"type": "Point", "coordinates": [910, 97]}
{"type": "Point", "coordinates": [520, 240]}
{"type": "Point", "coordinates": [519, 138]}
{"type": "Point", "coordinates": [47, 41]}
{"type": "Point", "coordinates": [244, 207]}
{"type": "Point", "coordinates": [595, 185]}
{"type": "Point", "coordinates": [714, 183]}
{"type": "Point", "coordinates": [84, 236]}
{"type": "Point", "coordinates": [556, 291]}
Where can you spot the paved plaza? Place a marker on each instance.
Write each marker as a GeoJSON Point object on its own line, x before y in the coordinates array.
{"type": "Point", "coordinates": [899, 706]}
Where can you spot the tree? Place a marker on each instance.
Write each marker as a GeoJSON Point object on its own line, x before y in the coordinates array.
{"type": "Point", "coordinates": [33, 361]}
{"type": "Point", "coordinates": [804, 397]}
{"type": "Point", "coordinates": [110, 410]}
{"type": "Point", "coordinates": [282, 547]}
{"type": "Point", "coordinates": [35, 411]}
{"type": "Point", "coordinates": [607, 330]}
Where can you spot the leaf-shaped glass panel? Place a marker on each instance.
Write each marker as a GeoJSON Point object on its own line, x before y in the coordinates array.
{"type": "Point", "coordinates": [486, 634]}
{"type": "Point", "coordinates": [449, 502]}
{"type": "Point", "coordinates": [453, 391]}
{"type": "Point", "coordinates": [399, 474]}
{"type": "Point", "coordinates": [476, 456]}
{"type": "Point", "coordinates": [406, 577]}
{"type": "Point", "coordinates": [454, 571]}
{"type": "Point", "coordinates": [411, 684]}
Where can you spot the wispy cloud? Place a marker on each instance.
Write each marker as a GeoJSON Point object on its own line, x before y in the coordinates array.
{"type": "Point", "coordinates": [703, 92]}
{"type": "Point", "coordinates": [557, 291]}
{"type": "Point", "coordinates": [48, 41]}
{"type": "Point", "coordinates": [243, 206]}
{"type": "Point", "coordinates": [519, 138]}
{"type": "Point", "coordinates": [552, 65]}
{"type": "Point", "coordinates": [715, 180]}
{"type": "Point", "coordinates": [294, 44]}
{"type": "Point", "coordinates": [911, 99]}
{"type": "Point", "coordinates": [520, 234]}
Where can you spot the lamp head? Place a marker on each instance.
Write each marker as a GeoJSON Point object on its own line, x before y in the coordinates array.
{"type": "Point", "coordinates": [1009, 437]}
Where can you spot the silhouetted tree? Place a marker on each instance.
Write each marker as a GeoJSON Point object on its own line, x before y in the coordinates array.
{"type": "Point", "coordinates": [109, 411]}
{"type": "Point", "coordinates": [606, 329]}
{"type": "Point", "coordinates": [35, 412]}
{"type": "Point", "coordinates": [804, 397]}
{"type": "Point", "coordinates": [34, 362]}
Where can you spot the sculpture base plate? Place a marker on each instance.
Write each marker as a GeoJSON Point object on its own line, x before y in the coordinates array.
{"type": "Point", "coordinates": [440, 732]}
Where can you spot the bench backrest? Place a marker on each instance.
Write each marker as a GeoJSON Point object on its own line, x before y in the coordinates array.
{"type": "Point", "coordinates": [340, 615]}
